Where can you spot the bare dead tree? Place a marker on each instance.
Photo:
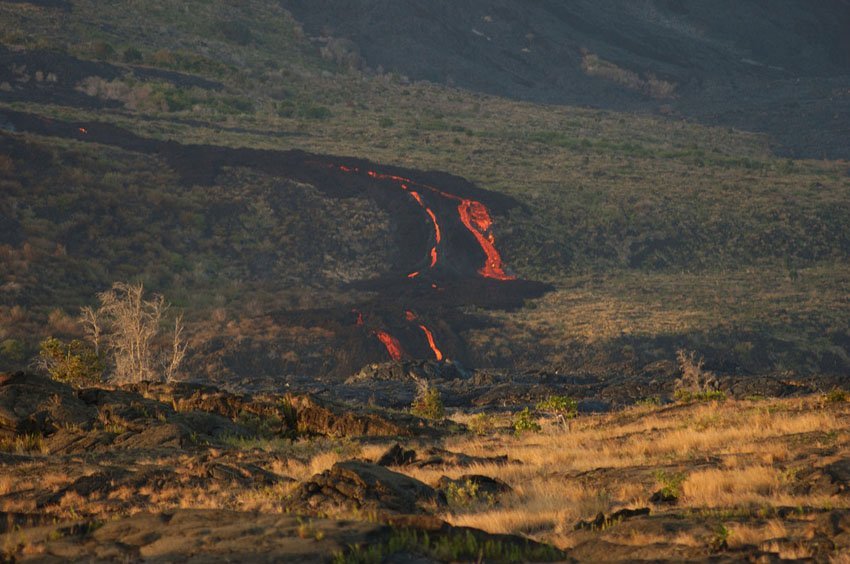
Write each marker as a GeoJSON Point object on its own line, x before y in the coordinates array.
{"type": "Point", "coordinates": [92, 326]}
{"type": "Point", "coordinates": [178, 349]}
{"type": "Point", "coordinates": [128, 325]}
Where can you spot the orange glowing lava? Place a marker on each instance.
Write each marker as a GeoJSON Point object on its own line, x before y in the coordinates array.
{"type": "Point", "coordinates": [437, 352]}
{"type": "Point", "coordinates": [392, 344]}
{"type": "Point", "coordinates": [476, 219]}
{"type": "Point", "coordinates": [409, 315]}
{"type": "Point", "coordinates": [473, 214]}
{"type": "Point", "coordinates": [83, 130]}
{"type": "Point", "coordinates": [359, 320]}
{"type": "Point", "coordinates": [413, 275]}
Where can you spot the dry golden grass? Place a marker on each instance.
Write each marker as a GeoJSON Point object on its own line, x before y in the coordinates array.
{"type": "Point", "coordinates": [732, 455]}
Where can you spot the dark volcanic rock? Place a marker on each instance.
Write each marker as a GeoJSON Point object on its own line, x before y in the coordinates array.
{"type": "Point", "coordinates": [601, 520]}
{"type": "Point", "coordinates": [476, 485]}
{"type": "Point", "coordinates": [361, 486]}
{"type": "Point", "coordinates": [37, 405]}
{"type": "Point", "coordinates": [396, 456]}
{"type": "Point", "coordinates": [409, 371]}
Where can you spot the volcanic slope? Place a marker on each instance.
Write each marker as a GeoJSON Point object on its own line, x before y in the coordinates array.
{"type": "Point", "coordinates": [447, 255]}
{"type": "Point", "coordinates": [654, 234]}
{"type": "Point", "coordinates": [782, 68]}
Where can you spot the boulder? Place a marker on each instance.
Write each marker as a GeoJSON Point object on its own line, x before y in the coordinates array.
{"type": "Point", "coordinates": [363, 487]}
{"type": "Point", "coordinates": [34, 404]}
{"type": "Point", "coordinates": [396, 456]}
{"type": "Point", "coordinates": [476, 486]}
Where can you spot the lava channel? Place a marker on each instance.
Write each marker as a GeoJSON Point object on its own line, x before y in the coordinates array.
{"type": "Point", "coordinates": [430, 336]}
{"type": "Point", "coordinates": [473, 215]}
{"type": "Point", "coordinates": [391, 343]}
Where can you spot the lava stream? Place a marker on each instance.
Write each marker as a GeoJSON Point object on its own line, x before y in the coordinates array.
{"type": "Point", "coordinates": [437, 352]}
{"type": "Point", "coordinates": [392, 344]}
{"type": "Point", "coordinates": [473, 214]}
{"type": "Point", "coordinates": [437, 233]}
{"type": "Point", "coordinates": [476, 219]}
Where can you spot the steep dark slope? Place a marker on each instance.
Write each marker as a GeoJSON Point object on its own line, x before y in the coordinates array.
{"type": "Point", "coordinates": [777, 67]}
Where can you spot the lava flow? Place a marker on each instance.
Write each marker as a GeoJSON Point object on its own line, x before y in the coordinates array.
{"type": "Point", "coordinates": [476, 219]}
{"type": "Point", "coordinates": [473, 215]}
{"type": "Point", "coordinates": [430, 336]}
{"type": "Point", "coordinates": [392, 344]}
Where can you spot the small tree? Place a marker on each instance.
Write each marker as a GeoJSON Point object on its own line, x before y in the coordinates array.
{"type": "Point", "coordinates": [564, 408]}
{"type": "Point", "coordinates": [74, 363]}
{"type": "Point", "coordinates": [696, 382]}
{"type": "Point", "coordinates": [127, 326]}
{"type": "Point", "coordinates": [428, 402]}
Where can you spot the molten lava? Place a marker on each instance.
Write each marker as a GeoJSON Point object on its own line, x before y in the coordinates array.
{"type": "Point", "coordinates": [437, 352]}
{"type": "Point", "coordinates": [476, 219]}
{"type": "Point", "coordinates": [473, 214]}
{"type": "Point", "coordinates": [409, 315]}
{"type": "Point", "coordinates": [391, 343]}
{"type": "Point", "coordinates": [438, 236]}
{"type": "Point", "coordinates": [359, 320]}
{"type": "Point", "coordinates": [83, 130]}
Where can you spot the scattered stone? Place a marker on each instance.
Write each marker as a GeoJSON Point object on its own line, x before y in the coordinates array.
{"type": "Point", "coordinates": [663, 497]}
{"type": "Point", "coordinates": [360, 486]}
{"type": "Point", "coordinates": [601, 521]}
{"type": "Point", "coordinates": [37, 405]}
{"type": "Point", "coordinates": [396, 456]}
{"type": "Point", "coordinates": [476, 486]}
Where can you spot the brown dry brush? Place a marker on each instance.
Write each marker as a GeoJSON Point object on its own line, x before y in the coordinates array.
{"type": "Point", "coordinates": [127, 327]}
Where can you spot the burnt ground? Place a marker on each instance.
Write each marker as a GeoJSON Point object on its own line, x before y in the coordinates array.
{"type": "Point", "coordinates": [51, 77]}
{"type": "Point", "coordinates": [782, 68]}
{"type": "Point", "coordinates": [400, 305]}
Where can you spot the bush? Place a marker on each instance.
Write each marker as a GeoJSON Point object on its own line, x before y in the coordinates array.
{"type": "Point", "coordinates": [836, 395]}
{"type": "Point", "coordinates": [74, 363]}
{"type": "Point", "coordinates": [525, 423]}
{"type": "Point", "coordinates": [428, 403]}
{"type": "Point", "coordinates": [696, 383]}
{"type": "Point", "coordinates": [482, 424]}
{"type": "Point", "coordinates": [562, 406]}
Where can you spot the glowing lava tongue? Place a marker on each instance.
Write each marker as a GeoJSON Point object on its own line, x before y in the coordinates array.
{"type": "Point", "coordinates": [437, 352]}
{"type": "Point", "coordinates": [473, 214]}
{"type": "Point", "coordinates": [392, 344]}
{"type": "Point", "coordinates": [476, 219]}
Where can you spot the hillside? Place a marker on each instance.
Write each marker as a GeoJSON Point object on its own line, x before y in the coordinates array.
{"type": "Point", "coordinates": [634, 235]}
{"type": "Point", "coordinates": [782, 68]}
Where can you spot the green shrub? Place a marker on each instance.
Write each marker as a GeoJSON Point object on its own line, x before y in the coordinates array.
{"type": "Point", "coordinates": [562, 406]}
{"type": "Point", "coordinates": [670, 484]}
{"type": "Point", "coordinates": [524, 423]}
{"type": "Point", "coordinates": [428, 403]}
{"type": "Point", "coordinates": [482, 424]}
{"type": "Point", "coordinates": [74, 363]}
{"type": "Point", "coordinates": [836, 395]}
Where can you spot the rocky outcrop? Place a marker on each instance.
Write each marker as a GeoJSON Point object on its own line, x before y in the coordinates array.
{"type": "Point", "coordinates": [434, 457]}
{"type": "Point", "coordinates": [33, 404]}
{"type": "Point", "coordinates": [356, 486]}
